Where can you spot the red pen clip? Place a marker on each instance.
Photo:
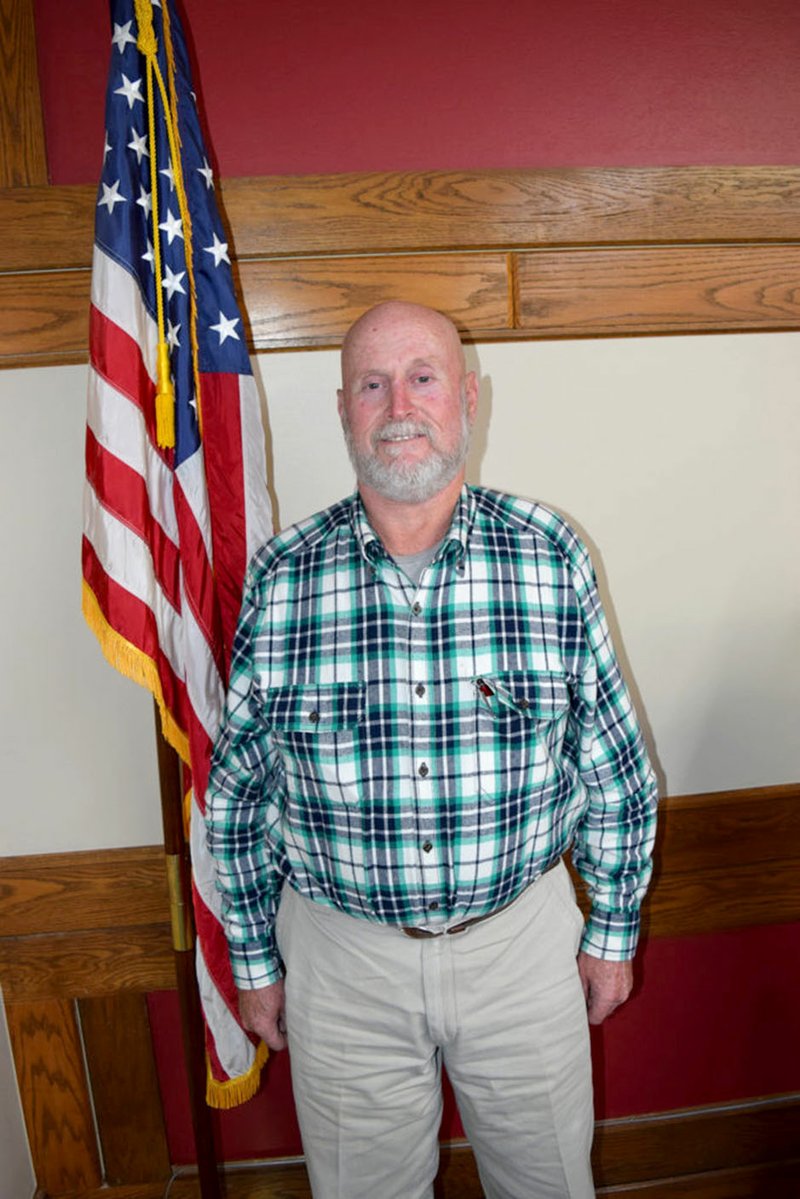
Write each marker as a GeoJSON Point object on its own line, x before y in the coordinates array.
{"type": "Point", "coordinates": [484, 688]}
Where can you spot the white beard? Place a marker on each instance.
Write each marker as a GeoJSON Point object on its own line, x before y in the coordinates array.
{"type": "Point", "coordinates": [408, 482]}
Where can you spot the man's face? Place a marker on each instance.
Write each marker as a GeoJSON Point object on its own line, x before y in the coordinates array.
{"type": "Point", "coordinates": [406, 405]}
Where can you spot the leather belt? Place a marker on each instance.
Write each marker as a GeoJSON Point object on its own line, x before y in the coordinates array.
{"type": "Point", "coordinates": [423, 934]}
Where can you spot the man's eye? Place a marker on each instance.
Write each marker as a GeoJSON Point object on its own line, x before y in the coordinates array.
{"type": "Point", "coordinates": [372, 385]}
{"type": "Point", "coordinates": [424, 378]}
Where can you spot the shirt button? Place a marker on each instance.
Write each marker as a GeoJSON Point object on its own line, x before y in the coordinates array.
{"type": "Point", "coordinates": [416, 609]}
{"type": "Point", "coordinates": [423, 771]}
{"type": "Point", "coordinates": [427, 846]}
{"type": "Point", "coordinates": [523, 705]}
{"type": "Point", "coordinates": [420, 689]}
{"type": "Point", "coordinates": [313, 717]}
{"type": "Point", "coordinates": [433, 907]}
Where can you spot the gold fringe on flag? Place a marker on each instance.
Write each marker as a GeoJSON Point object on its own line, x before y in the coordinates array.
{"type": "Point", "coordinates": [135, 665]}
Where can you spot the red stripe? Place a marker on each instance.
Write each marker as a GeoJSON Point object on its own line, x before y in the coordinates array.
{"type": "Point", "coordinates": [118, 359]}
{"type": "Point", "coordinates": [136, 623]}
{"type": "Point", "coordinates": [123, 492]}
{"type": "Point", "coordinates": [198, 578]}
{"type": "Point", "coordinates": [222, 450]}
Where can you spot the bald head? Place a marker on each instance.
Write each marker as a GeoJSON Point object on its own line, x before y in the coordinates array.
{"type": "Point", "coordinates": [393, 317]}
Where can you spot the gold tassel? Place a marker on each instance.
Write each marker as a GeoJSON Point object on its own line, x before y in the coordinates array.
{"type": "Point", "coordinates": [165, 400]}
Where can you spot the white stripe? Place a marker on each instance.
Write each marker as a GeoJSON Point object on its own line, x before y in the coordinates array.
{"type": "Point", "coordinates": [116, 294]}
{"type": "Point", "coordinates": [204, 867]}
{"type": "Point", "coordinates": [234, 1050]}
{"type": "Point", "coordinates": [257, 511]}
{"type": "Point", "coordinates": [191, 474]}
{"type": "Point", "coordinates": [119, 426]}
{"type": "Point", "coordinates": [127, 560]}
{"type": "Point", "coordinates": [203, 683]}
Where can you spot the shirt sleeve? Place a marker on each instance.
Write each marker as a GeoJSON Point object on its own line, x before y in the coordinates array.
{"type": "Point", "coordinates": [243, 819]}
{"type": "Point", "coordinates": [614, 839]}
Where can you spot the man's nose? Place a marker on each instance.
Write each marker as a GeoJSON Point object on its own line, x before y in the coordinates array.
{"type": "Point", "coordinates": [399, 400]}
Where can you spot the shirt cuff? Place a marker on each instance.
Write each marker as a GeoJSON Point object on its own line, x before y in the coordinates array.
{"type": "Point", "coordinates": [253, 966]}
{"type": "Point", "coordinates": [611, 935]}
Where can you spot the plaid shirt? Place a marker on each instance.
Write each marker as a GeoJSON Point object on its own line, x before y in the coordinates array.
{"type": "Point", "coordinates": [419, 754]}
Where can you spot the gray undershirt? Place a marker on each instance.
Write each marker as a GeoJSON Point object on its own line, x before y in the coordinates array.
{"type": "Point", "coordinates": [414, 564]}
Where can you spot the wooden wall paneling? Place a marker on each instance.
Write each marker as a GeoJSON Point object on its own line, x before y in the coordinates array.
{"type": "Point", "coordinates": [754, 824]}
{"type": "Point", "coordinates": [55, 1098]}
{"type": "Point", "coordinates": [44, 318]}
{"type": "Point", "coordinates": [311, 302]}
{"type": "Point", "coordinates": [673, 289]}
{"type": "Point", "coordinates": [91, 962]}
{"type": "Point", "coordinates": [682, 905]}
{"type": "Point", "coordinates": [695, 1140]}
{"type": "Point", "coordinates": [644, 273]}
{"type": "Point", "coordinates": [781, 1181]}
{"type": "Point", "coordinates": [733, 1152]}
{"type": "Point", "coordinates": [500, 209]}
{"type": "Point", "coordinates": [46, 228]}
{"type": "Point", "coordinates": [23, 160]}
{"type": "Point", "coordinates": [62, 892]}
{"type": "Point", "coordinates": [127, 1100]}
{"type": "Point", "coordinates": [50, 228]}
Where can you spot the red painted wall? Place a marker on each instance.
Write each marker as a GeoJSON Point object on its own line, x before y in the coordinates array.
{"type": "Point", "coordinates": [317, 86]}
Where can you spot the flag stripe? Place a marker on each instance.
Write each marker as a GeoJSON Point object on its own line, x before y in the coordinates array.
{"type": "Point", "coordinates": [136, 624]}
{"type": "Point", "coordinates": [118, 425]}
{"type": "Point", "coordinates": [223, 431]}
{"type": "Point", "coordinates": [122, 492]}
{"type": "Point", "coordinates": [125, 558]}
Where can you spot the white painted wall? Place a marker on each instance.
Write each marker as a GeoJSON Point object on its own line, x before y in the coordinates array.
{"type": "Point", "coordinates": [677, 457]}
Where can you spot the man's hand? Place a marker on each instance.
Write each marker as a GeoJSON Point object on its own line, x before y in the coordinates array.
{"type": "Point", "coordinates": [262, 1012]}
{"type": "Point", "coordinates": [606, 985]}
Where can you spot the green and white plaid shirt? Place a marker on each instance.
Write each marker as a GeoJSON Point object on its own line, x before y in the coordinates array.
{"type": "Point", "coordinates": [419, 754]}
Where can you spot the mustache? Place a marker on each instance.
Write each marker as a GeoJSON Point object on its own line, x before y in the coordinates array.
{"type": "Point", "coordinates": [401, 428]}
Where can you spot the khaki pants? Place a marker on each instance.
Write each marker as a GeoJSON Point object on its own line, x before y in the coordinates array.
{"type": "Point", "coordinates": [372, 1014]}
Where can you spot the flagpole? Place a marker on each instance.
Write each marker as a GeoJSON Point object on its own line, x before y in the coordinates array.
{"type": "Point", "coordinates": [192, 1027]}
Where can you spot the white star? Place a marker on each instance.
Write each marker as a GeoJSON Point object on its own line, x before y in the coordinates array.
{"type": "Point", "coordinates": [168, 171]}
{"type": "Point", "coordinates": [172, 282]}
{"type": "Point", "coordinates": [207, 173]}
{"type": "Point", "coordinates": [122, 36]}
{"type": "Point", "coordinates": [107, 148]}
{"type": "Point", "coordinates": [172, 226]}
{"type": "Point", "coordinates": [172, 334]}
{"type": "Point", "coordinates": [111, 196]}
{"type": "Point", "coordinates": [130, 90]}
{"type": "Point", "coordinates": [219, 250]}
{"type": "Point", "coordinates": [148, 257]}
{"type": "Point", "coordinates": [138, 144]}
{"type": "Point", "coordinates": [145, 200]}
{"type": "Point", "coordinates": [225, 328]}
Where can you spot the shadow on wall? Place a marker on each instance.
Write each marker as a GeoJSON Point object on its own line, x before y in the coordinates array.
{"type": "Point", "coordinates": [477, 451]}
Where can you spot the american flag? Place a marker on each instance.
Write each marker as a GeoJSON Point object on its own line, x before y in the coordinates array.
{"type": "Point", "coordinates": [168, 530]}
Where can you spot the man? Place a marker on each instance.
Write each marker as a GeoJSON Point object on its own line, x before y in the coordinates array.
{"type": "Point", "coordinates": [425, 713]}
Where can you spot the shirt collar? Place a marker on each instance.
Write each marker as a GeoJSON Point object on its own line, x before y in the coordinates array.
{"type": "Point", "coordinates": [455, 542]}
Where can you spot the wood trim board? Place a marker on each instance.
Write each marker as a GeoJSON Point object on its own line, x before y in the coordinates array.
{"type": "Point", "coordinates": [509, 255]}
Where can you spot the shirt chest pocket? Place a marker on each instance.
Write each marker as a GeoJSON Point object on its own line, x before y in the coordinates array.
{"type": "Point", "coordinates": [318, 728]}
{"type": "Point", "coordinates": [520, 702]}
{"type": "Point", "coordinates": [522, 718]}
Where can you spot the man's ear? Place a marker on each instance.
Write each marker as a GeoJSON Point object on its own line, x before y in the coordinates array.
{"type": "Point", "coordinates": [340, 402]}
